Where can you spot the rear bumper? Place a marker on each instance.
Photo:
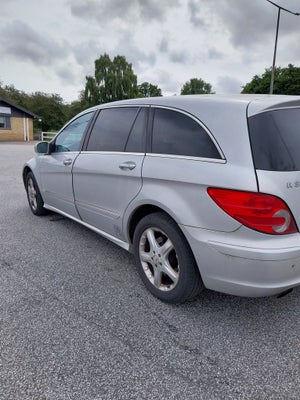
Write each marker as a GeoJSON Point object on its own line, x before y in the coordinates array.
{"type": "Point", "coordinates": [245, 262]}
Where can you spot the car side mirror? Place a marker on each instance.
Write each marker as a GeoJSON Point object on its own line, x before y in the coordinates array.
{"type": "Point", "coordinates": [41, 148]}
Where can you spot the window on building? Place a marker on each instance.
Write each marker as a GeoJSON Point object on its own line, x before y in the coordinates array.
{"type": "Point", "coordinates": [4, 122]}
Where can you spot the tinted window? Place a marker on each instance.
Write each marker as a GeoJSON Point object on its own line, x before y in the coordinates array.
{"type": "Point", "coordinates": [176, 133]}
{"type": "Point", "coordinates": [70, 138]}
{"type": "Point", "coordinates": [275, 140]}
{"type": "Point", "coordinates": [112, 128]}
{"type": "Point", "coordinates": [137, 137]}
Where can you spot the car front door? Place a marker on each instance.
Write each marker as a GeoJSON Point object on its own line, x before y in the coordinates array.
{"type": "Point", "coordinates": [56, 167]}
{"type": "Point", "coordinates": [107, 175]}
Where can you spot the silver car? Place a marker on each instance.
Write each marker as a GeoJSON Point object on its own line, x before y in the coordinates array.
{"type": "Point", "coordinates": [204, 190]}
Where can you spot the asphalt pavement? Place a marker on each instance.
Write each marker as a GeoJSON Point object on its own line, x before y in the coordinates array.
{"type": "Point", "coordinates": [76, 323]}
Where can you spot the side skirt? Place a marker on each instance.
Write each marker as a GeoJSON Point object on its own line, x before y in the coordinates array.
{"type": "Point", "coordinates": [113, 239]}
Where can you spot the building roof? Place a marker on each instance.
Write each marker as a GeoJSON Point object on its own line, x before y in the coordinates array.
{"type": "Point", "coordinates": [22, 109]}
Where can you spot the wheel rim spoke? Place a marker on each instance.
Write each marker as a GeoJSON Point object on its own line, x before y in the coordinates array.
{"type": "Point", "coordinates": [151, 238]}
{"type": "Point", "coordinates": [157, 278]}
{"type": "Point", "coordinates": [145, 257]}
{"type": "Point", "coordinates": [168, 270]}
{"type": "Point", "coordinates": [166, 248]}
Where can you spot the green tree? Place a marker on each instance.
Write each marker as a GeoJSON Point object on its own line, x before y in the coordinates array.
{"type": "Point", "coordinates": [9, 92]}
{"type": "Point", "coordinates": [286, 81]}
{"type": "Point", "coordinates": [76, 106]}
{"type": "Point", "coordinates": [196, 86]}
{"type": "Point", "coordinates": [146, 89]}
{"type": "Point", "coordinates": [50, 108]}
{"type": "Point", "coordinates": [113, 80]}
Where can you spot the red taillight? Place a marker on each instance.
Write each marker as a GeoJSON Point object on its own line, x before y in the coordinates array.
{"type": "Point", "coordinates": [262, 212]}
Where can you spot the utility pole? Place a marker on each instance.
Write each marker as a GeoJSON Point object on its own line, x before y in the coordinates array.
{"type": "Point", "coordinates": [276, 39]}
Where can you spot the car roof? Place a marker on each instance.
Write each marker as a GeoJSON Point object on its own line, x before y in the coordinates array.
{"type": "Point", "coordinates": [200, 104]}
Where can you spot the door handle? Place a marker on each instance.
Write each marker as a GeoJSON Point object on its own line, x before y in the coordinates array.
{"type": "Point", "coordinates": [127, 165]}
{"type": "Point", "coordinates": [68, 161]}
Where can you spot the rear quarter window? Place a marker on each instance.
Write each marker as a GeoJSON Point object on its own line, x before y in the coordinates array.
{"type": "Point", "coordinates": [179, 134]}
{"type": "Point", "coordinates": [275, 140]}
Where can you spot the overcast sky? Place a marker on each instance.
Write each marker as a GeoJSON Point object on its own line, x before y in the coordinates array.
{"type": "Point", "coordinates": [51, 45]}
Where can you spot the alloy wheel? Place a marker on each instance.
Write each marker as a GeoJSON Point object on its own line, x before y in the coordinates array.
{"type": "Point", "coordinates": [32, 194]}
{"type": "Point", "coordinates": [159, 259]}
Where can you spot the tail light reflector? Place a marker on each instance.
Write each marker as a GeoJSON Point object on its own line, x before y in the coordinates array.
{"type": "Point", "coordinates": [262, 212]}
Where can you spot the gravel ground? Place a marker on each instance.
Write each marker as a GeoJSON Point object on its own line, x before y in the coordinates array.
{"type": "Point", "coordinates": [76, 322]}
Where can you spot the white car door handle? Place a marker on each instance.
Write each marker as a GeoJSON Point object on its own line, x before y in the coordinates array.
{"type": "Point", "coordinates": [68, 161]}
{"type": "Point", "coordinates": [127, 165]}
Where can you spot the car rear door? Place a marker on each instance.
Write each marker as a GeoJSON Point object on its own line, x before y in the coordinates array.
{"type": "Point", "coordinates": [108, 174]}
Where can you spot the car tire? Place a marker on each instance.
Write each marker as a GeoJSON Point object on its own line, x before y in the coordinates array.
{"type": "Point", "coordinates": [34, 197]}
{"type": "Point", "coordinates": [165, 261]}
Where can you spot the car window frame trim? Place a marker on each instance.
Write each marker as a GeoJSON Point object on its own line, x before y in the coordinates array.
{"type": "Point", "coordinates": [182, 157]}
{"type": "Point", "coordinates": [112, 152]}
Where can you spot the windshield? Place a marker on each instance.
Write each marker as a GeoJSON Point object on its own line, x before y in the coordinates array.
{"type": "Point", "coordinates": [275, 140]}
